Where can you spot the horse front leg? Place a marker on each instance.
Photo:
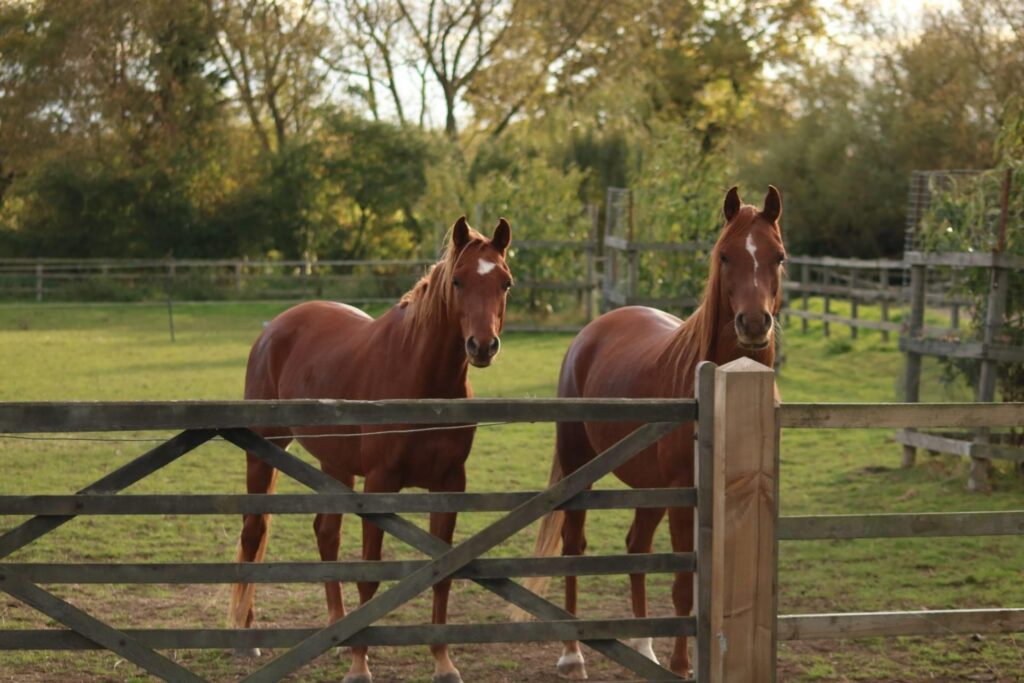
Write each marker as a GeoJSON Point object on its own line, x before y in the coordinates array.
{"type": "Point", "coordinates": [327, 528]}
{"type": "Point", "coordinates": [378, 481]}
{"type": "Point", "coordinates": [680, 522]}
{"type": "Point", "coordinates": [442, 525]}
{"type": "Point", "coordinates": [640, 540]}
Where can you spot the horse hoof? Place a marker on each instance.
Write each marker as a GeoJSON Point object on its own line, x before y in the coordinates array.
{"type": "Point", "coordinates": [570, 666]}
{"type": "Point", "coordinates": [247, 652]}
{"type": "Point", "coordinates": [357, 678]}
{"type": "Point", "coordinates": [448, 677]}
{"type": "Point", "coordinates": [645, 646]}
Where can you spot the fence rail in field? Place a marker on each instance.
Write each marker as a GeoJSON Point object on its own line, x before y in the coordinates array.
{"type": "Point", "coordinates": [900, 525]}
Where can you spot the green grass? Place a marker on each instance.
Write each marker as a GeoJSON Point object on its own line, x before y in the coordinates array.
{"type": "Point", "coordinates": [124, 352]}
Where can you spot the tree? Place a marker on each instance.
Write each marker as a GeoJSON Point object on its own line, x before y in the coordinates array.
{"type": "Point", "coordinates": [272, 52]}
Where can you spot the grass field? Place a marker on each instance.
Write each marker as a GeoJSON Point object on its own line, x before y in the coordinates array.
{"type": "Point", "coordinates": [123, 352]}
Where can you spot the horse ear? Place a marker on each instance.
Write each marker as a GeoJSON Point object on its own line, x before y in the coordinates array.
{"type": "Point", "coordinates": [502, 236]}
{"type": "Point", "coordinates": [460, 234]}
{"type": "Point", "coordinates": [732, 203]}
{"type": "Point", "coordinates": [772, 205]}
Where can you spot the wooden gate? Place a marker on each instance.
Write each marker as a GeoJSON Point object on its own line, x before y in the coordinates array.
{"type": "Point", "coordinates": [232, 422]}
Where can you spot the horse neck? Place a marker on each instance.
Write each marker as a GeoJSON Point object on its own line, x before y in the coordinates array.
{"type": "Point", "coordinates": [433, 352]}
{"type": "Point", "coordinates": [710, 335]}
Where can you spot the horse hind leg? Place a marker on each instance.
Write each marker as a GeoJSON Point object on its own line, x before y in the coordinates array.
{"type": "Point", "coordinates": [640, 540]}
{"type": "Point", "coordinates": [252, 547]}
{"type": "Point", "coordinates": [574, 542]}
{"type": "Point", "coordinates": [572, 450]}
{"type": "Point", "coordinates": [327, 528]}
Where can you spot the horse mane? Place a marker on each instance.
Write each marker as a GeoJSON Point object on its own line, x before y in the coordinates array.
{"type": "Point", "coordinates": [698, 335]}
{"type": "Point", "coordinates": [428, 303]}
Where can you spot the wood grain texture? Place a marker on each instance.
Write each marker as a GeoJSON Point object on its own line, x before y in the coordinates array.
{"type": "Point", "coordinates": [743, 587]}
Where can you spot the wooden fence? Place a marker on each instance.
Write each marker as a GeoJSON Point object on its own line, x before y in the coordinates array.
{"type": "Point", "coordinates": [882, 282]}
{"type": "Point", "coordinates": [991, 350]}
{"type": "Point", "coordinates": [231, 421]}
{"type": "Point", "coordinates": [737, 527]}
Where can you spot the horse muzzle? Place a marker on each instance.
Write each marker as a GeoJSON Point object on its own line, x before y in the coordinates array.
{"type": "Point", "coordinates": [481, 353]}
{"type": "Point", "coordinates": [754, 333]}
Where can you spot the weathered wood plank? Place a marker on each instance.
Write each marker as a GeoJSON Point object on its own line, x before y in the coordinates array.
{"type": "Point", "coordinates": [901, 525]}
{"type": "Point", "coordinates": [834, 262]}
{"type": "Point", "coordinates": [704, 475]}
{"type": "Point", "coordinates": [425, 634]}
{"type": "Point", "coordinates": [292, 503]}
{"type": "Point", "coordinates": [121, 478]}
{"type": "Point", "coordinates": [979, 259]}
{"type": "Point", "coordinates": [743, 589]}
{"type": "Point", "coordinates": [93, 629]}
{"type": "Point", "coordinates": [961, 349]}
{"type": "Point", "coordinates": [154, 415]}
{"type": "Point", "coordinates": [843, 320]}
{"type": "Point", "coordinates": [318, 572]}
{"type": "Point", "coordinates": [997, 452]}
{"type": "Point", "coordinates": [623, 244]}
{"type": "Point", "coordinates": [898, 415]}
{"type": "Point", "coordinates": [870, 624]}
{"type": "Point", "coordinates": [933, 442]}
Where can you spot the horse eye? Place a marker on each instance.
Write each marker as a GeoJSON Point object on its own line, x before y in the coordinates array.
{"type": "Point", "coordinates": [725, 259]}
{"type": "Point", "coordinates": [456, 283]}
{"type": "Point", "coordinates": [781, 260]}
{"type": "Point", "coordinates": [507, 285]}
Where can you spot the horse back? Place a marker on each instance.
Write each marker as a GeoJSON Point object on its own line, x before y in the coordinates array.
{"type": "Point", "coordinates": [312, 334]}
{"type": "Point", "coordinates": [622, 354]}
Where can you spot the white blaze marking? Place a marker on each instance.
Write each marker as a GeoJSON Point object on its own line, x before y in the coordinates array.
{"type": "Point", "coordinates": [752, 250]}
{"type": "Point", "coordinates": [485, 266]}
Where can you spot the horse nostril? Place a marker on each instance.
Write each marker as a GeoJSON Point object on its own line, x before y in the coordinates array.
{"type": "Point", "coordinates": [741, 319]}
{"type": "Point", "coordinates": [471, 346]}
{"type": "Point", "coordinates": [767, 321]}
{"type": "Point", "coordinates": [495, 345]}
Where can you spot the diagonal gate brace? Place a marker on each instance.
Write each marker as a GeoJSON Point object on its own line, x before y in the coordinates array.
{"type": "Point", "coordinates": [66, 613]}
{"type": "Point", "coordinates": [448, 559]}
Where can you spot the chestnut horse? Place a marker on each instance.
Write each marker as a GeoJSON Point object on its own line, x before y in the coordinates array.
{"type": "Point", "coordinates": [645, 353]}
{"type": "Point", "coordinates": [420, 348]}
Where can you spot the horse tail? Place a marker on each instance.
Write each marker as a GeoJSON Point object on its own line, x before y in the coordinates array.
{"type": "Point", "coordinates": [549, 543]}
{"type": "Point", "coordinates": [244, 594]}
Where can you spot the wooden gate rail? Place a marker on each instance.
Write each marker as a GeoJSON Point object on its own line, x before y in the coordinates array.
{"type": "Point", "coordinates": [424, 634]}
{"type": "Point", "coordinates": [120, 416]}
{"type": "Point", "coordinates": [660, 417]}
{"type": "Point", "coordinates": [318, 572]}
{"type": "Point", "coordinates": [285, 503]}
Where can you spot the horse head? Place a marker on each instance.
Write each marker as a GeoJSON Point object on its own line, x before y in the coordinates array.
{"type": "Point", "coordinates": [747, 263]}
{"type": "Point", "coordinates": [480, 280]}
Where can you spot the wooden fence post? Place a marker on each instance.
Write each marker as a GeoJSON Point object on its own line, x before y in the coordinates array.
{"type": "Point", "coordinates": [633, 264]}
{"type": "Point", "coordinates": [912, 371]}
{"type": "Point", "coordinates": [744, 516]}
{"type": "Point", "coordinates": [853, 303]}
{"type": "Point", "coordinates": [827, 307]}
{"type": "Point", "coordinates": [884, 282]}
{"type": "Point", "coordinates": [591, 291]}
{"type": "Point", "coordinates": [805, 284]}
